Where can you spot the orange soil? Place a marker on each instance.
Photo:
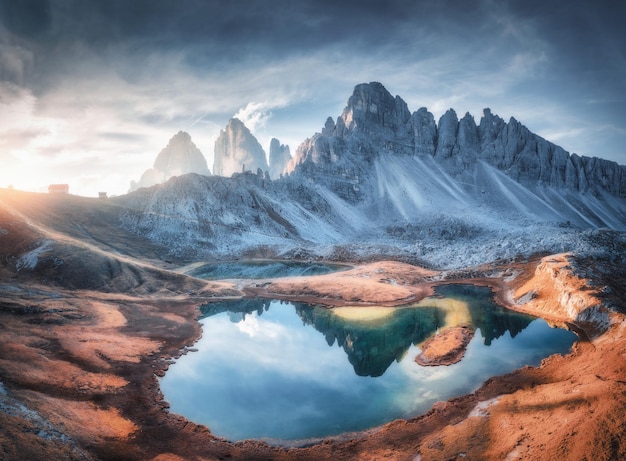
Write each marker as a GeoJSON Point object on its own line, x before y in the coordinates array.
{"type": "Point", "coordinates": [445, 348]}
{"type": "Point", "coordinates": [384, 283]}
{"type": "Point", "coordinates": [82, 364]}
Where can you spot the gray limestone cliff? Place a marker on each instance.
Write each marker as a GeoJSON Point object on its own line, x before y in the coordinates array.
{"type": "Point", "coordinates": [237, 150]}
{"type": "Point", "coordinates": [279, 158]}
{"type": "Point", "coordinates": [375, 123]}
{"type": "Point", "coordinates": [425, 132]}
{"type": "Point", "coordinates": [380, 179]}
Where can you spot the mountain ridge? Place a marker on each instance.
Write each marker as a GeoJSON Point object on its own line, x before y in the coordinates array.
{"type": "Point", "coordinates": [374, 121]}
{"type": "Point", "coordinates": [382, 179]}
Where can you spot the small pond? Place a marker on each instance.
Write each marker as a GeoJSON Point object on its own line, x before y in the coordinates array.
{"type": "Point", "coordinates": [262, 269]}
{"type": "Point", "coordinates": [288, 371]}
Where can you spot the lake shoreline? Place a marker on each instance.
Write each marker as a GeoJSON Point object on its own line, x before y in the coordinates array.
{"type": "Point", "coordinates": [346, 368]}
{"type": "Point", "coordinates": [97, 385]}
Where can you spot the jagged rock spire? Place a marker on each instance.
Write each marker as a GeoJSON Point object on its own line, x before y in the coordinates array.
{"type": "Point", "coordinates": [279, 158]}
{"type": "Point", "coordinates": [180, 156]}
{"type": "Point", "coordinates": [237, 149]}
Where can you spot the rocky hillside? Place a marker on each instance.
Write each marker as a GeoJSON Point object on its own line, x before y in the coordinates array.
{"type": "Point", "coordinates": [377, 148]}
{"type": "Point", "coordinates": [380, 179]}
{"type": "Point", "coordinates": [374, 123]}
{"type": "Point", "coordinates": [76, 243]}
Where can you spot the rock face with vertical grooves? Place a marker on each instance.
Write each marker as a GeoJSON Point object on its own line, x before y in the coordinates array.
{"type": "Point", "coordinates": [237, 150]}
{"type": "Point", "coordinates": [279, 158]}
{"type": "Point", "coordinates": [375, 123]}
{"type": "Point", "coordinates": [379, 178]}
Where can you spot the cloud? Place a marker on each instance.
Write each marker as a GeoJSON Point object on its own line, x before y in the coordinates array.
{"type": "Point", "coordinates": [17, 106]}
{"type": "Point", "coordinates": [254, 115]}
{"type": "Point", "coordinates": [113, 81]}
{"type": "Point", "coordinates": [26, 17]}
{"type": "Point", "coordinates": [15, 63]}
{"type": "Point", "coordinates": [266, 331]}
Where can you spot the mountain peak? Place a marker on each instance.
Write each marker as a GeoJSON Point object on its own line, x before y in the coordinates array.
{"type": "Point", "coordinates": [371, 104]}
{"type": "Point", "coordinates": [179, 157]}
{"type": "Point", "coordinates": [379, 175]}
{"type": "Point", "coordinates": [376, 124]}
{"type": "Point", "coordinates": [237, 149]}
{"type": "Point", "coordinates": [279, 158]}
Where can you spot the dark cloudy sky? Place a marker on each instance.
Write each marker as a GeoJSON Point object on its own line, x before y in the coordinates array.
{"type": "Point", "coordinates": [91, 91]}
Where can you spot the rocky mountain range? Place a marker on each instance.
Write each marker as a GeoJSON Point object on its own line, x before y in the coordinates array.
{"type": "Point", "coordinates": [237, 150]}
{"type": "Point", "coordinates": [380, 178]}
{"type": "Point", "coordinates": [374, 124]}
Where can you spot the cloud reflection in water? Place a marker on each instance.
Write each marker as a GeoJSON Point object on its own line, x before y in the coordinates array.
{"type": "Point", "coordinates": [272, 375]}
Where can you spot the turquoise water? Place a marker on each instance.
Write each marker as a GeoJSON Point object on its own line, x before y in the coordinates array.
{"type": "Point", "coordinates": [272, 370]}
{"type": "Point", "coordinates": [262, 269]}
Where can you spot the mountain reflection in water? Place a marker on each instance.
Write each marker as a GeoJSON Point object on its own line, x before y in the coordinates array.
{"type": "Point", "coordinates": [373, 340]}
{"type": "Point", "coordinates": [264, 369]}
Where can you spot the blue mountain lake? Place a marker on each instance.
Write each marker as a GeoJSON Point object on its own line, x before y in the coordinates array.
{"type": "Point", "coordinates": [287, 371]}
{"type": "Point", "coordinates": [262, 269]}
